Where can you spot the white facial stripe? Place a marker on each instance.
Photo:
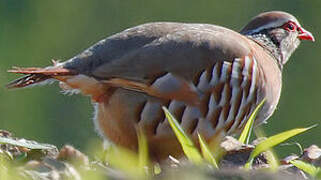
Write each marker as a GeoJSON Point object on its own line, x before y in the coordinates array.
{"type": "Point", "coordinates": [272, 24]}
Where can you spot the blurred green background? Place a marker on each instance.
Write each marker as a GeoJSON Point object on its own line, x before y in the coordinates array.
{"type": "Point", "coordinates": [32, 32]}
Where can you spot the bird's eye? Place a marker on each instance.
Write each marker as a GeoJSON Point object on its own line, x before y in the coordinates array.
{"type": "Point", "coordinates": [290, 26]}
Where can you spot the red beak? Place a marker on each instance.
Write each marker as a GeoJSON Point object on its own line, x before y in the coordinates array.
{"type": "Point", "coordinates": [305, 35]}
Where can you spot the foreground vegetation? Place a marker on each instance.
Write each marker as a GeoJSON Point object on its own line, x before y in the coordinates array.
{"type": "Point", "coordinates": [222, 158]}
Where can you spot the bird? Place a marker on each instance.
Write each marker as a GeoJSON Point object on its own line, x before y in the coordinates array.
{"type": "Point", "coordinates": [209, 77]}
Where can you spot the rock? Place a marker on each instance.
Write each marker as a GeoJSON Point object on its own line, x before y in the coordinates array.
{"type": "Point", "coordinates": [287, 159]}
{"type": "Point", "coordinates": [236, 154]}
{"type": "Point", "coordinates": [70, 154]}
{"type": "Point", "coordinates": [312, 155]}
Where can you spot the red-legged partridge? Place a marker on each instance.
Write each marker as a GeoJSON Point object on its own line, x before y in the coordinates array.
{"type": "Point", "coordinates": [209, 77]}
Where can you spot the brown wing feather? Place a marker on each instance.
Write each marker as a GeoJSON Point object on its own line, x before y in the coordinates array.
{"type": "Point", "coordinates": [184, 91]}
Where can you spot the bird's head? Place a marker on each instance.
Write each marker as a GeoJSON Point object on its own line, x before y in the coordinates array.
{"type": "Point", "coordinates": [279, 32]}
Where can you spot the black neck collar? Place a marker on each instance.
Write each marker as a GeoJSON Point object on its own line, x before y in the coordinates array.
{"type": "Point", "coordinates": [269, 45]}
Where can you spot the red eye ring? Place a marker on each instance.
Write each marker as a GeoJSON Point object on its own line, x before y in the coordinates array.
{"type": "Point", "coordinates": [290, 26]}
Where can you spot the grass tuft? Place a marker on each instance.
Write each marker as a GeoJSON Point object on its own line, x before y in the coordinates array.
{"type": "Point", "coordinates": [273, 141]}
{"type": "Point", "coordinates": [190, 150]}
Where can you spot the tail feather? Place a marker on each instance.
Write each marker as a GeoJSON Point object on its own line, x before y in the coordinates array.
{"type": "Point", "coordinates": [55, 71]}
{"type": "Point", "coordinates": [36, 75]}
{"type": "Point", "coordinates": [27, 80]}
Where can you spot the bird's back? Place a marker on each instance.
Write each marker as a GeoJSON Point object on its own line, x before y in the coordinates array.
{"type": "Point", "coordinates": [163, 46]}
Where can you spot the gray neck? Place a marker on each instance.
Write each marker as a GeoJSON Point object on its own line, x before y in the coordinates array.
{"type": "Point", "coordinates": [269, 45]}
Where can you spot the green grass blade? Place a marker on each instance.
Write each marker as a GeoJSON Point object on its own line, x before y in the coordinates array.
{"type": "Point", "coordinates": [125, 160]}
{"type": "Point", "coordinates": [143, 160]}
{"type": "Point", "coordinates": [273, 141]}
{"type": "Point", "coordinates": [306, 167]}
{"type": "Point", "coordinates": [318, 175]}
{"type": "Point", "coordinates": [133, 164]}
{"type": "Point", "coordinates": [157, 169]}
{"type": "Point", "coordinates": [272, 158]}
{"type": "Point", "coordinates": [4, 167]}
{"type": "Point", "coordinates": [187, 144]}
{"type": "Point", "coordinates": [206, 152]}
{"type": "Point", "coordinates": [246, 133]}
{"type": "Point", "coordinates": [26, 143]}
